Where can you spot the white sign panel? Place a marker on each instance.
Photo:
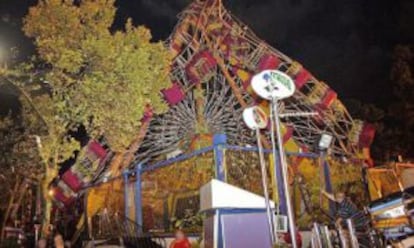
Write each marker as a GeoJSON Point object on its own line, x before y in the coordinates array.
{"type": "Point", "coordinates": [255, 118]}
{"type": "Point", "coordinates": [270, 84]}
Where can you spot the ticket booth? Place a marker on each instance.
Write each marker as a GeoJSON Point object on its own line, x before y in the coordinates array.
{"type": "Point", "coordinates": [235, 217]}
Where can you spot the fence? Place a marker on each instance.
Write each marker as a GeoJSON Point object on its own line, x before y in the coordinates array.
{"type": "Point", "coordinates": [165, 195]}
{"type": "Point", "coordinates": [170, 195]}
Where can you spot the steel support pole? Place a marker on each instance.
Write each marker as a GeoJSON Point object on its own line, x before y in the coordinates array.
{"type": "Point", "coordinates": [327, 179]}
{"type": "Point", "coordinates": [138, 196]}
{"type": "Point", "coordinates": [219, 140]}
{"type": "Point", "coordinates": [283, 163]}
{"type": "Point", "coordinates": [265, 189]}
{"type": "Point", "coordinates": [328, 236]}
{"type": "Point", "coordinates": [277, 170]}
{"type": "Point", "coordinates": [126, 193]}
{"type": "Point", "coordinates": [352, 233]}
{"type": "Point", "coordinates": [316, 235]}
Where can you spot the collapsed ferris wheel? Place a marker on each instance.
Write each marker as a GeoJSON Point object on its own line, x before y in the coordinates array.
{"type": "Point", "coordinates": [215, 57]}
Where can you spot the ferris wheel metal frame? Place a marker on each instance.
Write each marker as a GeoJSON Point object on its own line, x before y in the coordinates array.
{"type": "Point", "coordinates": [215, 56]}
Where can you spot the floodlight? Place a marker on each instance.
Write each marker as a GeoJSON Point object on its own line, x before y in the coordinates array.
{"type": "Point", "coordinates": [324, 141]}
{"type": "Point", "coordinates": [255, 118]}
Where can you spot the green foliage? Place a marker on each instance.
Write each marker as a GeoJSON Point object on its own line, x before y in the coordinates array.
{"type": "Point", "coordinates": [280, 245]}
{"type": "Point", "coordinates": [401, 113]}
{"type": "Point", "coordinates": [395, 123]}
{"type": "Point", "coordinates": [84, 74]}
{"type": "Point", "coordinates": [10, 243]}
{"type": "Point", "coordinates": [55, 145]}
{"type": "Point", "coordinates": [367, 112]}
{"type": "Point", "coordinates": [19, 157]}
{"type": "Point", "coordinates": [39, 119]}
{"type": "Point", "coordinates": [402, 71]}
{"type": "Point", "coordinates": [99, 78]}
{"type": "Point", "coordinates": [190, 222]}
{"type": "Point", "coordinates": [345, 177]}
{"type": "Point", "coordinates": [18, 150]}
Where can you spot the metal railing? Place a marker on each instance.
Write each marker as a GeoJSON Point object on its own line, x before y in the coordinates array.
{"type": "Point", "coordinates": [115, 229]}
{"type": "Point", "coordinates": [107, 226]}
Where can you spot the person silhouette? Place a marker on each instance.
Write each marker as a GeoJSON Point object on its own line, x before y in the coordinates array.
{"type": "Point", "coordinates": [180, 240]}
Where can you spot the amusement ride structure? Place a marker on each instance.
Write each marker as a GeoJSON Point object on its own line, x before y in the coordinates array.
{"type": "Point", "coordinates": [215, 57]}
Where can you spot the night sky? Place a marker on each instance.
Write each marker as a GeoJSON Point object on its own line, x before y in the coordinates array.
{"type": "Point", "coordinates": [346, 43]}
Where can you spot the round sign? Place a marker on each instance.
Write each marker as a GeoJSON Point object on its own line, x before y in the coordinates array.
{"type": "Point", "coordinates": [271, 84]}
{"type": "Point", "coordinates": [255, 118]}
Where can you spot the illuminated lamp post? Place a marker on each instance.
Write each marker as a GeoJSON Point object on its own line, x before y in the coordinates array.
{"type": "Point", "coordinates": [274, 85]}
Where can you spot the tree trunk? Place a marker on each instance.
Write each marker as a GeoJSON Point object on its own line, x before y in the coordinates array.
{"type": "Point", "coordinates": [21, 192]}
{"type": "Point", "coordinates": [9, 207]}
{"type": "Point", "coordinates": [135, 144]}
{"type": "Point", "coordinates": [47, 209]}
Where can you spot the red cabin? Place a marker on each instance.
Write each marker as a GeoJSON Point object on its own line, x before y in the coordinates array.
{"type": "Point", "coordinates": [72, 180]}
{"type": "Point", "coordinates": [327, 100]}
{"type": "Point", "coordinates": [268, 62]}
{"type": "Point", "coordinates": [367, 135]}
{"type": "Point", "coordinates": [74, 177]}
{"type": "Point", "coordinates": [173, 95]}
{"type": "Point", "coordinates": [96, 151]}
{"type": "Point", "coordinates": [302, 78]}
{"type": "Point", "coordinates": [201, 67]}
{"type": "Point", "coordinates": [63, 194]}
{"type": "Point", "coordinates": [235, 49]}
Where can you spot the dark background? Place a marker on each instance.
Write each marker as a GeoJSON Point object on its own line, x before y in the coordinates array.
{"type": "Point", "coordinates": [346, 43]}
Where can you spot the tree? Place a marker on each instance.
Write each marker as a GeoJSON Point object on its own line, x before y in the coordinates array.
{"type": "Point", "coordinates": [103, 79]}
{"type": "Point", "coordinates": [374, 115]}
{"type": "Point", "coordinates": [37, 132]}
{"type": "Point", "coordinates": [90, 76]}
{"type": "Point", "coordinates": [395, 124]}
{"type": "Point", "coordinates": [19, 164]}
{"type": "Point", "coordinates": [401, 112]}
{"type": "Point", "coordinates": [365, 111]}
